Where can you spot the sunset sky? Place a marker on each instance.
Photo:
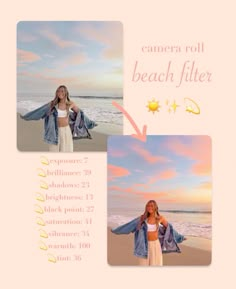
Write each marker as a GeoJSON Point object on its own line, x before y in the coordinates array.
{"type": "Point", "coordinates": [85, 56]}
{"type": "Point", "coordinates": [173, 170]}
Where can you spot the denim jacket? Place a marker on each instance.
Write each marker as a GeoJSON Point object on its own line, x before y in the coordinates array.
{"type": "Point", "coordinates": [79, 123]}
{"type": "Point", "coordinates": [168, 237]}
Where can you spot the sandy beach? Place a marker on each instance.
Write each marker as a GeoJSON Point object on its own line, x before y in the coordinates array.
{"type": "Point", "coordinates": [120, 252]}
{"type": "Point", "coordinates": [30, 138]}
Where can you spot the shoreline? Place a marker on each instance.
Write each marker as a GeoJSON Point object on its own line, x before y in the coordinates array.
{"type": "Point", "coordinates": [120, 252]}
{"type": "Point", "coordinates": [30, 138]}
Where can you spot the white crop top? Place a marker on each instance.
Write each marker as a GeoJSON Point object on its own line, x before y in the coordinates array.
{"type": "Point", "coordinates": [61, 112]}
{"type": "Point", "coordinates": [151, 227]}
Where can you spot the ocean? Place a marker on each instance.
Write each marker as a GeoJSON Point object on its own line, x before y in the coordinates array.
{"type": "Point", "coordinates": [188, 223]}
{"type": "Point", "coordinates": [99, 109]}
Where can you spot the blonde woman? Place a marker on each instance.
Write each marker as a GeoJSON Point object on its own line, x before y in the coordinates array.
{"type": "Point", "coordinates": [63, 105]}
{"type": "Point", "coordinates": [153, 235]}
{"type": "Point", "coordinates": [60, 123]}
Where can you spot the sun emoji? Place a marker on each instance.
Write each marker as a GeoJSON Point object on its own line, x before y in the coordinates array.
{"type": "Point", "coordinates": [153, 105]}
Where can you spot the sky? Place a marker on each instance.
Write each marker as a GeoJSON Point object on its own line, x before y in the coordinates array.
{"type": "Point", "coordinates": [86, 56]}
{"type": "Point", "coordinates": [173, 170]}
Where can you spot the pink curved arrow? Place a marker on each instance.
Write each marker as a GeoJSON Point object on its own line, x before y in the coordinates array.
{"type": "Point", "coordinates": [142, 136]}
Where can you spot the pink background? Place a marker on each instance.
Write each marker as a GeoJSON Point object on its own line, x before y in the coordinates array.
{"type": "Point", "coordinates": [145, 23]}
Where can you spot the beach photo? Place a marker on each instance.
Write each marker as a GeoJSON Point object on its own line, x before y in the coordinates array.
{"type": "Point", "coordinates": [159, 201]}
{"type": "Point", "coordinates": [68, 74]}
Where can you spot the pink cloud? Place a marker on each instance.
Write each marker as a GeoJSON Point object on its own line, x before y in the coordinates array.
{"type": "Point", "coordinates": [164, 175]}
{"type": "Point", "coordinates": [120, 189]}
{"type": "Point", "coordinates": [117, 153]}
{"type": "Point", "coordinates": [201, 168]}
{"type": "Point", "coordinates": [147, 156]}
{"type": "Point", "coordinates": [44, 76]}
{"type": "Point", "coordinates": [205, 186]}
{"type": "Point", "coordinates": [25, 37]}
{"type": "Point", "coordinates": [24, 57]}
{"type": "Point", "coordinates": [159, 197]}
{"type": "Point", "coordinates": [57, 40]}
{"type": "Point", "coordinates": [141, 185]}
{"type": "Point", "coordinates": [116, 172]}
{"type": "Point", "coordinates": [141, 193]}
{"type": "Point", "coordinates": [77, 59]}
{"type": "Point", "coordinates": [199, 151]}
{"type": "Point", "coordinates": [179, 195]}
{"type": "Point", "coordinates": [109, 35]}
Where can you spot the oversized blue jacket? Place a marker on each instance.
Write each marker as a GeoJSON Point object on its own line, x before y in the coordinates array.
{"type": "Point", "coordinates": [79, 123]}
{"type": "Point", "coordinates": [168, 237]}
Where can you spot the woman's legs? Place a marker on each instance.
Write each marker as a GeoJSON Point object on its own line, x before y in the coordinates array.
{"type": "Point", "coordinates": [54, 147]}
{"type": "Point", "coordinates": [154, 255]}
{"type": "Point", "coordinates": [65, 141]}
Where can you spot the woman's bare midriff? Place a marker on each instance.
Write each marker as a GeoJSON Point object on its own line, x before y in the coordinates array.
{"type": "Point", "coordinates": [62, 121]}
{"type": "Point", "coordinates": [152, 235]}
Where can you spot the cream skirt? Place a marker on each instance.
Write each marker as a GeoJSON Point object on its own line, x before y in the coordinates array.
{"type": "Point", "coordinates": [154, 255]}
{"type": "Point", "coordinates": [65, 141]}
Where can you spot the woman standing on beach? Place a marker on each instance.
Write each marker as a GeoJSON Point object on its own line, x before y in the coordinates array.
{"type": "Point", "coordinates": [58, 121]}
{"type": "Point", "coordinates": [153, 234]}
{"type": "Point", "coordinates": [63, 105]}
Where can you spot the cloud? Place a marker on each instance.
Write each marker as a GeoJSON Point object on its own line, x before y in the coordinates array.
{"type": "Point", "coordinates": [57, 40]}
{"type": "Point", "coordinates": [109, 35]}
{"type": "Point", "coordinates": [164, 175]}
{"type": "Point", "coordinates": [198, 150]}
{"type": "Point", "coordinates": [132, 193]}
{"type": "Point", "coordinates": [205, 186]}
{"type": "Point", "coordinates": [139, 171]}
{"type": "Point", "coordinates": [117, 70]}
{"type": "Point", "coordinates": [25, 37]}
{"type": "Point", "coordinates": [77, 59]}
{"type": "Point", "coordinates": [116, 172]}
{"type": "Point", "coordinates": [147, 156]}
{"type": "Point", "coordinates": [49, 55]}
{"type": "Point", "coordinates": [201, 168]}
{"type": "Point", "coordinates": [44, 75]}
{"type": "Point", "coordinates": [117, 153]}
{"type": "Point", "coordinates": [141, 185]}
{"type": "Point", "coordinates": [25, 57]}
{"type": "Point", "coordinates": [133, 190]}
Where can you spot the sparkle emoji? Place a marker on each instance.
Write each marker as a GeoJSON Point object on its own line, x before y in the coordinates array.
{"type": "Point", "coordinates": [173, 106]}
{"type": "Point", "coordinates": [153, 105]}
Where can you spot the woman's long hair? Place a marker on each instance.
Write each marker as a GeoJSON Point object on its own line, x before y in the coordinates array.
{"type": "Point", "coordinates": [56, 99]}
{"type": "Point", "coordinates": [145, 215]}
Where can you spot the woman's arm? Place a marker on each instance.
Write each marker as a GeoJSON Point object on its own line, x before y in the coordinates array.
{"type": "Point", "coordinates": [37, 113]}
{"type": "Point", "coordinates": [74, 107]}
{"type": "Point", "coordinates": [127, 228]}
{"type": "Point", "coordinates": [163, 221]}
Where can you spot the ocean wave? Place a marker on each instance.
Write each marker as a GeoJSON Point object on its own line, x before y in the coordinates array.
{"type": "Point", "coordinates": [98, 97]}
{"type": "Point", "coordinates": [99, 109]}
{"type": "Point", "coordinates": [186, 212]}
{"type": "Point", "coordinates": [186, 228]}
